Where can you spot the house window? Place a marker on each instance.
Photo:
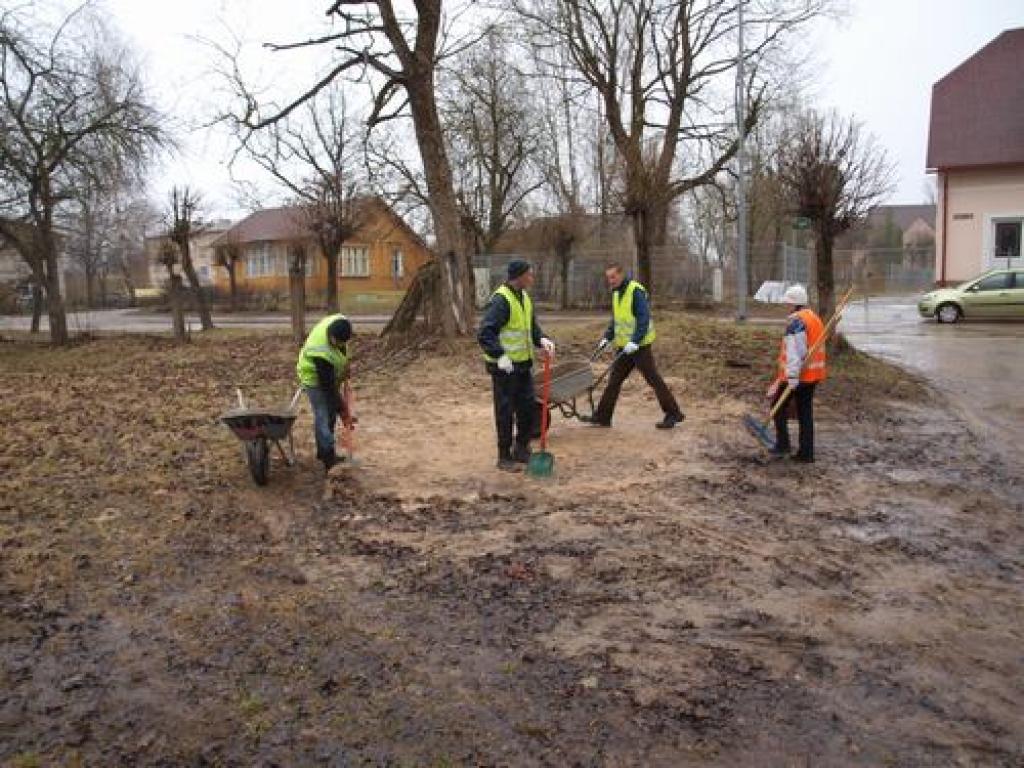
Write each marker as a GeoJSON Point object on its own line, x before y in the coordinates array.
{"type": "Point", "coordinates": [397, 264]}
{"type": "Point", "coordinates": [355, 261]}
{"type": "Point", "coordinates": [1007, 240]}
{"type": "Point", "coordinates": [260, 262]}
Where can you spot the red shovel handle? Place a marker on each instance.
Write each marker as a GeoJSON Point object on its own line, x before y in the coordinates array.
{"type": "Point", "coordinates": [544, 404]}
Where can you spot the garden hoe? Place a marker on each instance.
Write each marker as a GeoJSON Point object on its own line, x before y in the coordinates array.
{"type": "Point", "coordinates": [542, 463]}
{"type": "Point", "coordinates": [763, 430]}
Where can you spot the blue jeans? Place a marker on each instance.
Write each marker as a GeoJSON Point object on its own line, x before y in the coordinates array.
{"type": "Point", "coordinates": [325, 418]}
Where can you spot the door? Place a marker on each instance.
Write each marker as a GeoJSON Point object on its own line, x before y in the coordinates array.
{"type": "Point", "coordinates": [989, 297]}
{"type": "Point", "coordinates": [1016, 304]}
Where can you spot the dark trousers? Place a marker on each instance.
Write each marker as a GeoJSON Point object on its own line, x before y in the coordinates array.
{"type": "Point", "coordinates": [643, 359]}
{"type": "Point", "coordinates": [803, 395]}
{"type": "Point", "coordinates": [514, 407]}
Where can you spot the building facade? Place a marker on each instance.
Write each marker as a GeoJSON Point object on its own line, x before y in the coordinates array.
{"type": "Point", "coordinates": [976, 148]}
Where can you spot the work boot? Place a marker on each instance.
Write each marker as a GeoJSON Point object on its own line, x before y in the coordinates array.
{"type": "Point", "coordinates": [521, 454]}
{"type": "Point", "coordinates": [594, 421]}
{"type": "Point", "coordinates": [506, 463]}
{"type": "Point", "coordinates": [803, 458]}
{"type": "Point", "coordinates": [330, 460]}
{"type": "Point", "coordinates": [670, 421]}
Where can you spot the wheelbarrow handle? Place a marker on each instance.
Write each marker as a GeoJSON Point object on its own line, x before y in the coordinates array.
{"type": "Point", "coordinates": [607, 370]}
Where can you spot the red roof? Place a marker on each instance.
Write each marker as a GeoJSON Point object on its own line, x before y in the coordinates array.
{"type": "Point", "coordinates": [977, 114]}
{"type": "Point", "coordinates": [271, 224]}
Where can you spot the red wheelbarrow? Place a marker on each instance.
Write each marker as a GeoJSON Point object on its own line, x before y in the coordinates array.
{"type": "Point", "coordinates": [258, 429]}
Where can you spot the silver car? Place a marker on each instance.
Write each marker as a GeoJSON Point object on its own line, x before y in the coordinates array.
{"type": "Point", "coordinates": [997, 294]}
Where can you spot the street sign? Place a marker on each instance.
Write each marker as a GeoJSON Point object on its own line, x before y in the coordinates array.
{"type": "Point", "coordinates": [801, 222]}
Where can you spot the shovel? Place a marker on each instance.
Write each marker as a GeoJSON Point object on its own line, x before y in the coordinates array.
{"type": "Point", "coordinates": [762, 430]}
{"type": "Point", "coordinates": [348, 440]}
{"type": "Point", "coordinates": [542, 463]}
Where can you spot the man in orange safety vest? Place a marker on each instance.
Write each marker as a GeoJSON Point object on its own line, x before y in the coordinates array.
{"type": "Point", "coordinates": [800, 370]}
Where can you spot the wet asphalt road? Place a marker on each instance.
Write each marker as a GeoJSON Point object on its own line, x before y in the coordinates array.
{"type": "Point", "coordinates": [978, 366]}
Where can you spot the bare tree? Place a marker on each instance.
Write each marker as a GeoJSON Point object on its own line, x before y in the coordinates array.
{"type": "Point", "coordinates": [313, 154]}
{"type": "Point", "coordinates": [184, 224]}
{"type": "Point", "coordinates": [403, 52]}
{"type": "Point", "coordinates": [834, 174]}
{"type": "Point", "coordinates": [228, 255]}
{"type": "Point", "coordinates": [660, 68]}
{"type": "Point", "coordinates": [73, 110]}
{"type": "Point", "coordinates": [494, 137]}
{"type": "Point", "coordinates": [169, 256]}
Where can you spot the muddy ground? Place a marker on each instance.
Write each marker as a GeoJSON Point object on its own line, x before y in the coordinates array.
{"type": "Point", "coordinates": [666, 599]}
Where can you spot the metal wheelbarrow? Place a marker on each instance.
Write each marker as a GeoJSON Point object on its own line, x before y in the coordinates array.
{"type": "Point", "coordinates": [258, 429]}
{"type": "Point", "coordinates": [569, 381]}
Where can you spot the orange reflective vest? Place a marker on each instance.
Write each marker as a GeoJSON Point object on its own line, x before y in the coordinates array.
{"type": "Point", "coordinates": [814, 368]}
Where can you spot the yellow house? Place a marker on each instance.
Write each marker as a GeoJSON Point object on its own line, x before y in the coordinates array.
{"type": "Point", "coordinates": [380, 258]}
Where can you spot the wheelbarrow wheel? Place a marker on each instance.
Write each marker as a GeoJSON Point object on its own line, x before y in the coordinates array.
{"type": "Point", "coordinates": [257, 453]}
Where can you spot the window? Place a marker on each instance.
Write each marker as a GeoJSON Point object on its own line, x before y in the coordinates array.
{"type": "Point", "coordinates": [260, 261]}
{"type": "Point", "coordinates": [397, 264]}
{"type": "Point", "coordinates": [997, 282]}
{"type": "Point", "coordinates": [1007, 240]}
{"type": "Point", "coordinates": [355, 261]}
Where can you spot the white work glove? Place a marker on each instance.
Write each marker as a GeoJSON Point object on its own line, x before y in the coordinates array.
{"type": "Point", "coordinates": [603, 343]}
{"type": "Point", "coordinates": [630, 348]}
{"type": "Point", "coordinates": [505, 364]}
{"type": "Point", "coordinates": [548, 346]}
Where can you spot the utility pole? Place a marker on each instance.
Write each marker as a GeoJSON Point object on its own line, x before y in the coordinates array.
{"type": "Point", "coordinates": [741, 183]}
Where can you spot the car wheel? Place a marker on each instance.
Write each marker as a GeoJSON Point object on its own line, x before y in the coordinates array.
{"type": "Point", "coordinates": [948, 313]}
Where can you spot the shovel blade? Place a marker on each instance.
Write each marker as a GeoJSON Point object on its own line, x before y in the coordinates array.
{"type": "Point", "coordinates": [541, 464]}
{"type": "Point", "coordinates": [760, 431]}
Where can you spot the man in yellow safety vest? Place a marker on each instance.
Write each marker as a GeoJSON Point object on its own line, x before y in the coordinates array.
{"type": "Point", "coordinates": [632, 332]}
{"type": "Point", "coordinates": [322, 369]}
{"type": "Point", "coordinates": [508, 334]}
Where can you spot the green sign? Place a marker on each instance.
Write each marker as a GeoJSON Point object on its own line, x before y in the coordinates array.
{"type": "Point", "coordinates": [801, 222]}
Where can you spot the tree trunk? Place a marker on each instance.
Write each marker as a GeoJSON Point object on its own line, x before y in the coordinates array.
{"type": "Point", "coordinates": [90, 287]}
{"type": "Point", "coordinates": [54, 300]}
{"type": "Point", "coordinates": [230, 266]}
{"type": "Point", "coordinates": [825, 277]}
{"type": "Point", "coordinates": [564, 260]}
{"type": "Point", "coordinates": [456, 298]}
{"type": "Point", "coordinates": [297, 295]}
{"type": "Point", "coordinates": [197, 290]}
{"type": "Point", "coordinates": [331, 256]}
{"type": "Point", "coordinates": [641, 239]}
{"type": "Point", "coordinates": [37, 308]}
{"type": "Point", "coordinates": [176, 292]}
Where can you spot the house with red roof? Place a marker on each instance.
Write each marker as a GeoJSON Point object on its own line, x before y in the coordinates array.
{"type": "Point", "coordinates": [976, 150]}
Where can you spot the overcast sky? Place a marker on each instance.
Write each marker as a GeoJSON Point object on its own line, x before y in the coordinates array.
{"type": "Point", "coordinates": [878, 66]}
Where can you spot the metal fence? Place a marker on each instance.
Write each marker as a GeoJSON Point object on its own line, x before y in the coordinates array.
{"type": "Point", "coordinates": [679, 276]}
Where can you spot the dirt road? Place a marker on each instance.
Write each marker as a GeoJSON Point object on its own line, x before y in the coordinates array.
{"type": "Point", "coordinates": [667, 599]}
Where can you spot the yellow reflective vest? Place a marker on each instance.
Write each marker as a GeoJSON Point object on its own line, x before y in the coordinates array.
{"type": "Point", "coordinates": [625, 320]}
{"type": "Point", "coordinates": [318, 346]}
{"type": "Point", "coordinates": [516, 336]}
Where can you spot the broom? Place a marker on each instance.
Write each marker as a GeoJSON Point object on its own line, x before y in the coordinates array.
{"type": "Point", "coordinates": [762, 430]}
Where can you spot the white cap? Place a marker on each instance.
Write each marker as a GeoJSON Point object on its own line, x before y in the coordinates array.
{"type": "Point", "coordinates": [795, 294]}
